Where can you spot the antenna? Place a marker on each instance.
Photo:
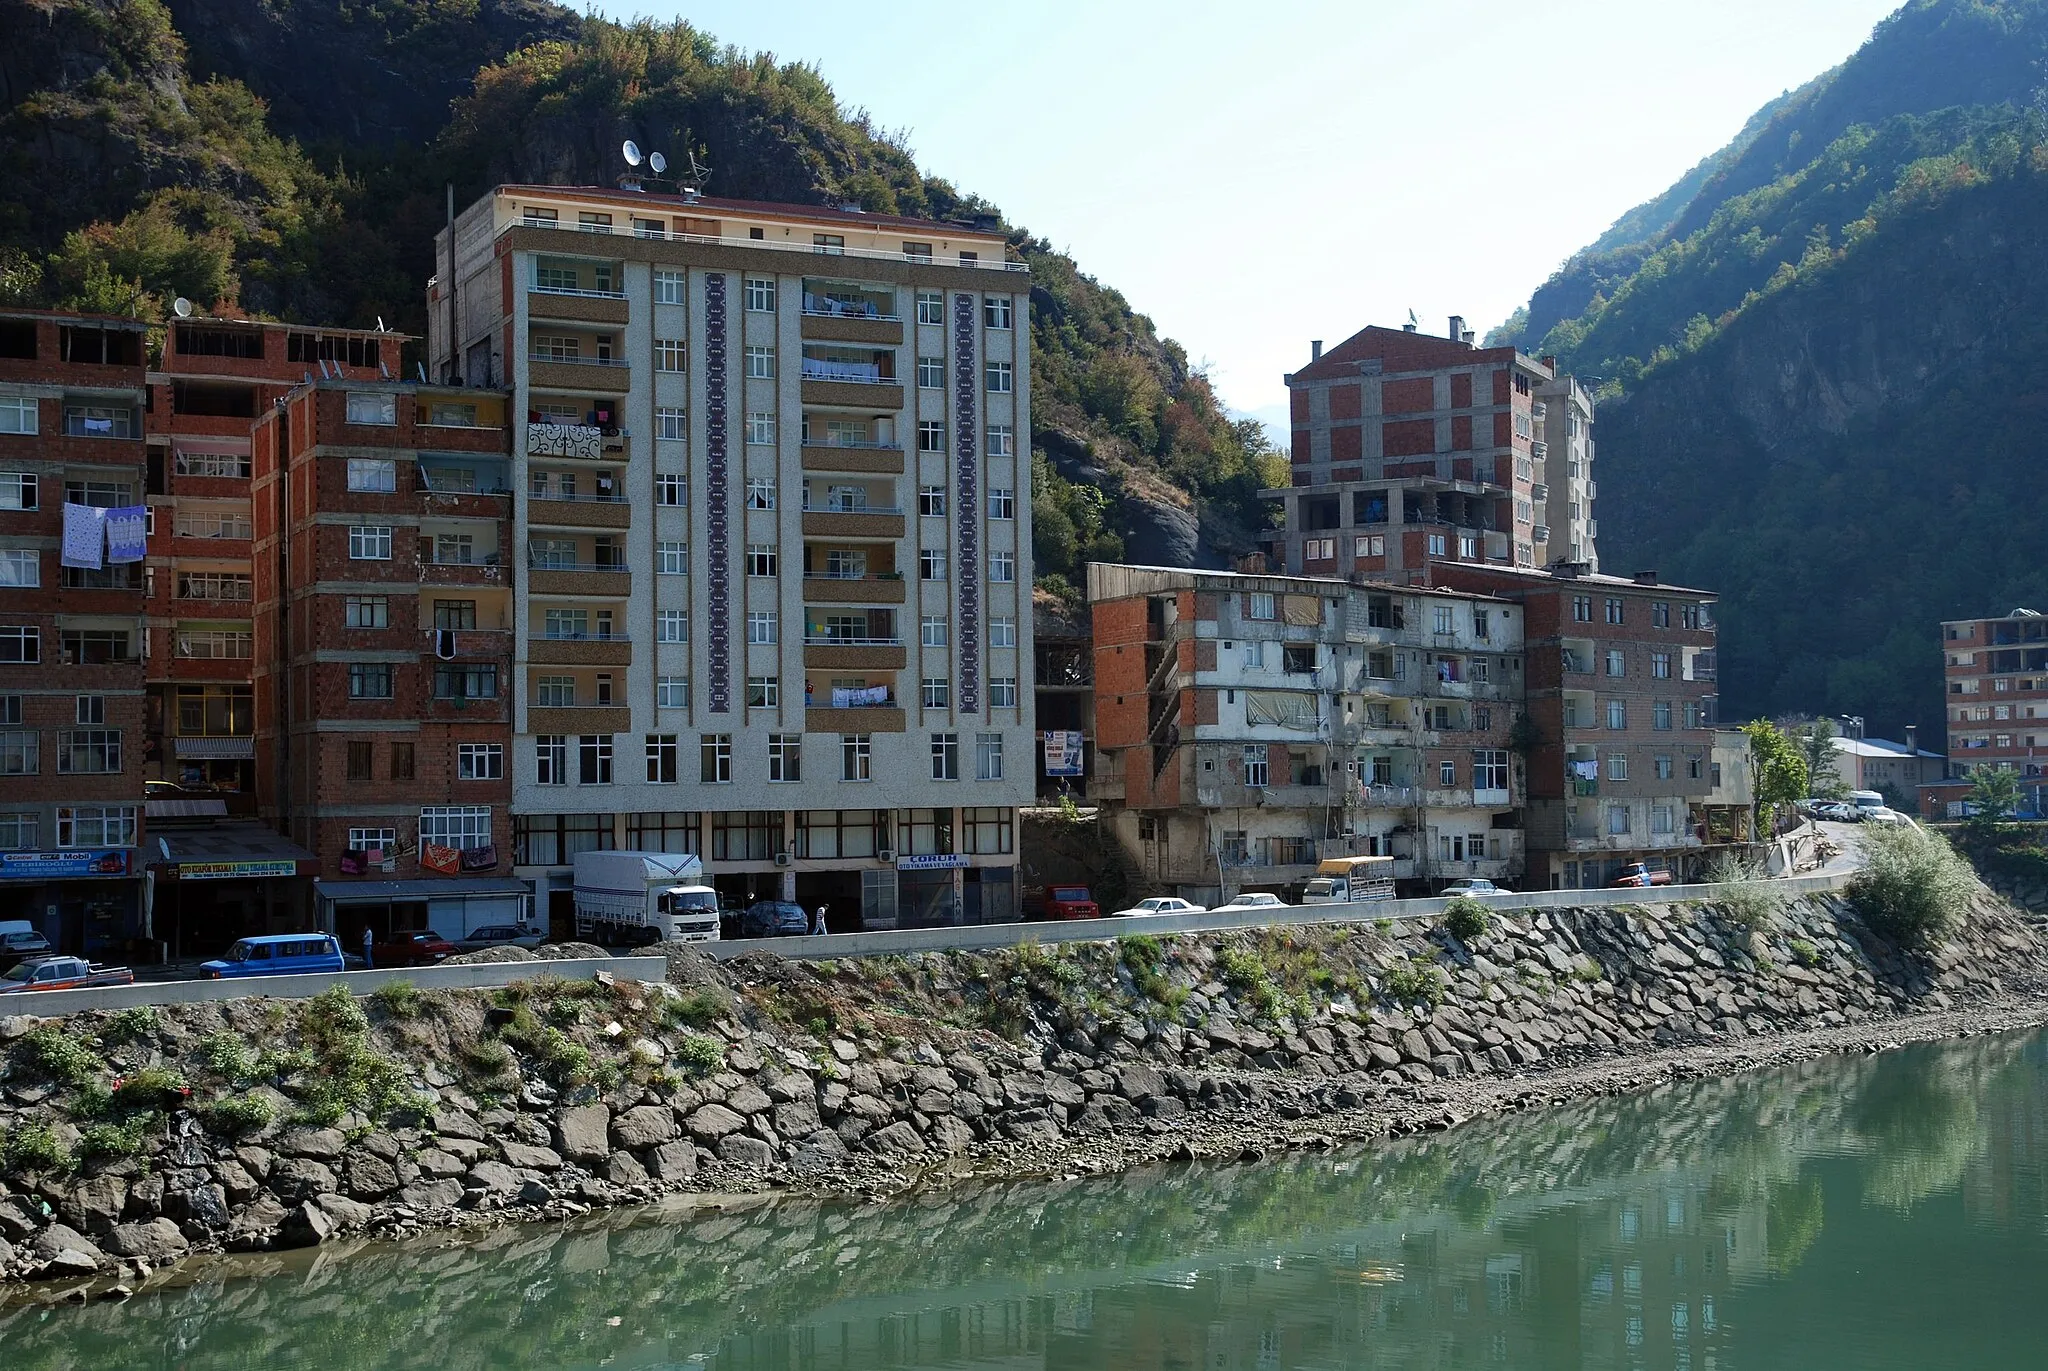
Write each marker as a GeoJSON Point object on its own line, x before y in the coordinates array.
{"type": "Point", "coordinates": [658, 162]}
{"type": "Point", "coordinates": [380, 324]}
{"type": "Point", "coordinates": [692, 181]}
{"type": "Point", "coordinates": [630, 150]}
{"type": "Point", "coordinates": [182, 307]}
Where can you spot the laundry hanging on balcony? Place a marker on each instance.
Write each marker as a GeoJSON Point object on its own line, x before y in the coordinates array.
{"type": "Point", "coordinates": [1294, 710]}
{"type": "Point", "coordinates": [126, 533]}
{"type": "Point", "coordinates": [85, 537]}
{"type": "Point", "coordinates": [1588, 770]}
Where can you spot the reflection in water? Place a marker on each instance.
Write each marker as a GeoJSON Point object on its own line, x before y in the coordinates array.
{"type": "Point", "coordinates": [1720, 1224]}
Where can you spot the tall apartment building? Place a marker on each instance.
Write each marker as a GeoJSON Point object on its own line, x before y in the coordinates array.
{"type": "Point", "coordinates": [1250, 726]}
{"type": "Point", "coordinates": [792, 631]}
{"type": "Point", "coordinates": [1995, 677]}
{"type": "Point", "coordinates": [384, 585]}
{"type": "Point", "coordinates": [1621, 693]}
{"type": "Point", "coordinates": [1411, 451]}
{"type": "Point", "coordinates": [71, 638]}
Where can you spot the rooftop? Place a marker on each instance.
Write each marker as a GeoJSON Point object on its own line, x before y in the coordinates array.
{"type": "Point", "coordinates": [1881, 747]}
{"type": "Point", "coordinates": [1164, 577]}
{"type": "Point", "coordinates": [766, 209]}
{"type": "Point", "coordinates": [1397, 350]}
{"type": "Point", "coordinates": [1543, 576]}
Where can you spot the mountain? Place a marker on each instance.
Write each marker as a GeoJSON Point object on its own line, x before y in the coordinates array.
{"type": "Point", "coordinates": [1819, 360]}
{"type": "Point", "coordinates": [290, 160]}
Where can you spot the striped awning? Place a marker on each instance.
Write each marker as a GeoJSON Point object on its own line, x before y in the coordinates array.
{"type": "Point", "coordinates": [217, 749]}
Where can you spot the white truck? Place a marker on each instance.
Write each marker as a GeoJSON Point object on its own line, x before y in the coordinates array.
{"type": "Point", "coordinates": [630, 899]}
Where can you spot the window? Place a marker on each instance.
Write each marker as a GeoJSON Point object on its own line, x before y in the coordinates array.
{"type": "Point", "coordinates": [1262, 607]}
{"type": "Point", "coordinates": [454, 614]}
{"type": "Point", "coordinates": [17, 414]}
{"type": "Point", "coordinates": [1617, 714]}
{"type": "Point", "coordinates": [1002, 502]}
{"type": "Point", "coordinates": [20, 566]}
{"type": "Point", "coordinates": [988, 756]}
{"type": "Point", "coordinates": [761, 559]}
{"type": "Point", "coordinates": [785, 757]}
{"type": "Point", "coordinates": [19, 752]}
{"type": "Point", "coordinates": [1660, 613]}
{"type": "Point", "coordinates": [18, 490]}
{"type": "Point", "coordinates": [998, 440]}
{"type": "Point", "coordinates": [1660, 715]}
{"type": "Point", "coordinates": [945, 756]}
{"type": "Point", "coordinates": [831, 244]}
{"type": "Point", "coordinates": [88, 751]}
{"type": "Point", "coordinates": [1002, 692]}
{"type": "Point", "coordinates": [672, 557]}
{"type": "Point", "coordinates": [372, 409]}
{"type": "Point", "coordinates": [594, 759]}
{"type": "Point", "coordinates": [669, 488]}
{"type": "Point", "coordinates": [1617, 767]}
{"type": "Point", "coordinates": [671, 626]}
{"type": "Point", "coordinates": [855, 762]}
{"type": "Point", "coordinates": [761, 626]}
{"type": "Point", "coordinates": [935, 692]}
{"type": "Point", "coordinates": [369, 543]}
{"type": "Point", "coordinates": [1662, 767]}
{"type": "Point", "coordinates": [1369, 545]}
{"type": "Point", "coordinates": [96, 826]}
{"type": "Point", "coordinates": [100, 494]}
{"type": "Point", "coordinates": [931, 307]}
{"type": "Point", "coordinates": [999, 378]}
{"type": "Point", "coordinates": [454, 549]}
{"type": "Point", "coordinates": [465, 681]}
{"type": "Point", "coordinates": [1255, 771]}
{"type": "Point", "coordinates": [1613, 610]}
{"type": "Point", "coordinates": [670, 354]}
{"type": "Point", "coordinates": [764, 692]}
{"type": "Point", "coordinates": [1490, 769]}
{"type": "Point", "coordinates": [1447, 773]}
{"type": "Point", "coordinates": [714, 758]}
{"type": "Point", "coordinates": [987, 830]}
{"type": "Point", "coordinates": [931, 373]}
{"type": "Point", "coordinates": [20, 643]}
{"type": "Point", "coordinates": [1617, 819]}
{"type": "Point", "coordinates": [918, 252]}
{"type": "Point", "coordinates": [1660, 819]}
{"type": "Point", "coordinates": [672, 830]}
{"type": "Point", "coordinates": [931, 630]}
{"type": "Point", "coordinates": [1614, 661]}
{"type": "Point", "coordinates": [1691, 616]}
{"type": "Point", "coordinates": [747, 836]}
{"type": "Point", "coordinates": [17, 832]}
{"type": "Point", "coordinates": [372, 474]}
{"type": "Point", "coordinates": [101, 646]}
{"type": "Point", "coordinates": [99, 421]}
{"type": "Point", "coordinates": [931, 435]}
{"type": "Point", "coordinates": [1002, 630]}
{"type": "Point", "coordinates": [555, 692]}
{"type": "Point", "coordinates": [462, 827]}
{"type": "Point", "coordinates": [1443, 621]}
{"type": "Point", "coordinates": [1002, 567]}
{"type": "Point", "coordinates": [931, 501]}
{"type": "Point", "coordinates": [551, 759]}
{"type": "Point", "coordinates": [671, 692]}
{"type": "Point", "coordinates": [664, 758]}
{"type": "Point", "coordinates": [931, 564]}
{"type": "Point", "coordinates": [1582, 609]}
{"type": "Point", "coordinates": [761, 493]}
{"type": "Point", "coordinates": [1660, 666]}
{"type": "Point", "coordinates": [1437, 546]}
{"type": "Point", "coordinates": [995, 311]}
{"type": "Point", "coordinates": [369, 681]}
{"type": "Point", "coordinates": [761, 294]}
{"type": "Point", "coordinates": [761, 428]}
{"type": "Point", "coordinates": [760, 362]}
{"type": "Point", "coordinates": [361, 762]}
{"type": "Point", "coordinates": [669, 423]}
{"type": "Point", "coordinates": [668, 289]}
{"type": "Point", "coordinates": [401, 762]}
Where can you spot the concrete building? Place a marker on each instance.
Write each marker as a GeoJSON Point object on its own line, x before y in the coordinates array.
{"type": "Point", "coordinates": [1249, 726]}
{"type": "Point", "coordinates": [1411, 450]}
{"type": "Point", "coordinates": [383, 646]}
{"type": "Point", "coordinates": [1063, 684]}
{"type": "Point", "coordinates": [72, 400]}
{"type": "Point", "coordinates": [1897, 770]}
{"type": "Point", "coordinates": [1621, 693]}
{"type": "Point", "coordinates": [771, 492]}
{"type": "Point", "coordinates": [1995, 674]}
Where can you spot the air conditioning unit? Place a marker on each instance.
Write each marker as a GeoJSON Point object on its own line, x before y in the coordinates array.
{"type": "Point", "coordinates": [885, 855]}
{"type": "Point", "coordinates": [782, 859]}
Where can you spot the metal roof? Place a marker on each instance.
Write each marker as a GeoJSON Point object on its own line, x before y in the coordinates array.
{"type": "Point", "coordinates": [366, 892]}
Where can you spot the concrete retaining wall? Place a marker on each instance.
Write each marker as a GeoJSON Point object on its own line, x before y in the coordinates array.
{"type": "Point", "coordinates": [981, 937]}
{"type": "Point", "coordinates": [469, 976]}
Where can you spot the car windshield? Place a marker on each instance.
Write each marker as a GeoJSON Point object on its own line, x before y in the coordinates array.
{"type": "Point", "coordinates": [20, 973]}
{"type": "Point", "coordinates": [1070, 892]}
{"type": "Point", "coordinates": [240, 952]}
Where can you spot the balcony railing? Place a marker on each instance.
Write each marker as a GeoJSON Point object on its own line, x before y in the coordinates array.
{"type": "Point", "coordinates": [580, 499]}
{"type": "Point", "coordinates": [583, 637]}
{"type": "Point", "coordinates": [853, 575]}
{"type": "Point", "coordinates": [819, 306]}
{"type": "Point", "coordinates": [577, 359]}
{"type": "Point", "coordinates": [572, 290]}
{"type": "Point", "coordinates": [842, 640]}
{"type": "Point", "coordinates": [535, 563]}
{"type": "Point", "coordinates": [857, 373]}
{"type": "Point", "coordinates": [767, 244]}
{"type": "Point", "coordinates": [810, 508]}
{"type": "Point", "coordinates": [855, 444]}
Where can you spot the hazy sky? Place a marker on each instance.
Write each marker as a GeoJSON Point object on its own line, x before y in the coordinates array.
{"type": "Point", "coordinates": [1254, 176]}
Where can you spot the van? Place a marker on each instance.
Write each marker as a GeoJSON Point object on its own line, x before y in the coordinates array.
{"type": "Point", "coordinates": [1866, 801]}
{"type": "Point", "coordinates": [277, 954]}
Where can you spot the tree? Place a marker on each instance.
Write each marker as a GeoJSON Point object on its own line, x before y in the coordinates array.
{"type": "Point", "coordinates": [1817, 743]}
{"type": "Point", "coordinates": [1994, 796]}
{"type": "Point", "coordinates": [1777, 771]}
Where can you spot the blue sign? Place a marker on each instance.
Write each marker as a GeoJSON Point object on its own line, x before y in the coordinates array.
{"type": "Point", "coordinates": [52, 866]}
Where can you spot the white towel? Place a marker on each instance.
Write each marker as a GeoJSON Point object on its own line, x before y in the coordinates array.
{"type": "Point", "coordinates": [85, 536]}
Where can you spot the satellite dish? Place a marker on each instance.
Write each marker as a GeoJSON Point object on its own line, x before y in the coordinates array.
{"type": "Point", "coordinates": [658, 162]}
{"type": "Point", "coordinates": [182, 307]}
{"type": "Point", "coordinates": [630, 150]}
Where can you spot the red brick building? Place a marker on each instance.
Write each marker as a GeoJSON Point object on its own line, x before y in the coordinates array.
{"type": "Point", "coordinates": [1996, 680]}
{"type": "Point", "coordinates": [383, 645]}
{"type": "Point", "coordinates": [71, 638]}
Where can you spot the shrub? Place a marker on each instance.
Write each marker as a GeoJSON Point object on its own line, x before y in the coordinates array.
{"type": "Point", "coordinates": [1744, 890]}
{"type": "Point", "coordinates": [123, 1139]}
{"type": "Point", "coordinates": [1467, 919]}
{"type": "Point", "coordinates": [233, 1115]}
{"type": "Point", "coordinates": [1913, 888]}
{"type": "Point", "coordinates": [1418, 980]}
{"type": "Point", "coordinates": [153, 1087]}
{"type": "Point", "coordinates": [1383, 926]}
{"type": "Point", "coordinates": [693, 1009]}
{"type": "Point", "coordinates": [700, 1055]}
{"type": "Point", "coordinates": [1805, 953]}
{"type": "Point", "coordinates": [130, 1025]}
{"type": "Point", "coordinates": [31, 1148]}
{"type": "Point", "coordinates": [399, 999]}
{"type": "Point", "coordinates": [333, 1013]}
{"type": "Point", "coordinates": [1145, 959]}
{"type": "Point", "coordinates": [1588, 971]}
{"type": "Point", "coordinates": [53, 1055]}
{"type": "Point", "coordinates": [228, 1057]}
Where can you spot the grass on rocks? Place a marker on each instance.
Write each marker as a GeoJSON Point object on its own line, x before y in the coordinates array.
{"type": "Point", "coordinates": [1745, 892]}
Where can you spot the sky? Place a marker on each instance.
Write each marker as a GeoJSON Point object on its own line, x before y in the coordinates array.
{"type": "Point", "coordinates": [1257, 176]}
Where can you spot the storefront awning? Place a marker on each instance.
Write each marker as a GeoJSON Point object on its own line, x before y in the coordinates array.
{"type": "Point", "coordinates": [232, 851]}
{"type": "Point", "coordinates": [384, 892]}
{"type": "Point", "coordinates": [217, 749]}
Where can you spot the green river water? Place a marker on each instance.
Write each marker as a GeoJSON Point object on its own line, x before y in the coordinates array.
{"type": "Point", "coordinates": [1885, 1211]}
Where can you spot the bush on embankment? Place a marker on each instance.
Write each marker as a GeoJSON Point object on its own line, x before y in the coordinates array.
{"type": "Point", "coordinates": [1914, 888]}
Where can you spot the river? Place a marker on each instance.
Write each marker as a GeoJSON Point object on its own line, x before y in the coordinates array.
{"type": "Point", "coordinates": [1885, 1211]}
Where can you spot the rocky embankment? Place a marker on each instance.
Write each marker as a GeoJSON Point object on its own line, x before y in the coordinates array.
{"type": "Point", "coordinates": [130, 1139]}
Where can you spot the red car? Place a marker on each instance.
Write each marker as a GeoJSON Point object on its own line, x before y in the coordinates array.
{"type": "Point", "coordinates": [411, 947]}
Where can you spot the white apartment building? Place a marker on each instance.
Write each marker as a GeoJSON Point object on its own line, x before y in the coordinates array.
{"type": "Point", "coordinates": [772, 513]}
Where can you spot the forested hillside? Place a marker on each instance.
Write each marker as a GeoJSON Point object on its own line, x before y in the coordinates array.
{"type": "Point", "coordinates": [1823, 347]}
{"type": "Point", "coordinates": [288, 160]}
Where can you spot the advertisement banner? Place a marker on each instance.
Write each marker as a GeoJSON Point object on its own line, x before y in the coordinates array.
{"type": "Point", "coordinates": [1062, 752]}
{"type": "Point", "coordinates": [53, 866]}
{"type": "Point", "coordinates": [931, 861]}
{"type": "Point", "coordinates": [227, 871]}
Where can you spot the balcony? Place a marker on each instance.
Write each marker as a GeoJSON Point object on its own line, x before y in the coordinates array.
{"type": "Point", "coordinates": [579, 650]}
{"type": "Point", "coordinates": [865, 719]}
{"type": "Point", "coordinates": [842, 653]}
{"type": "Point", "coordinates": [873, 521]}
{"type": "Point", "coordinates": [583, 307]}
{"type": "Point", "coordinates": [448, 570]}
{"type": "Point", "coordinates": [578, 719]}
{"type": "Point", "coordinates": [881, 589]}
{"type": "Point", "coordinates": [585, 375]}
{"type": "Point", "coordinates": [541, 236]}
{"type": "Point", "coordinates": [825, 454]}
{"type": "Point", "coordinates": [610, 580]}
{"type": "Point", "coordinates": [830, 326]}
{"type": "Point", "coordinates": [581, 511]}
{"type": "Point", "coordinates": [849, 382]}
{"type": "Point", "coordinates": [583, 442]}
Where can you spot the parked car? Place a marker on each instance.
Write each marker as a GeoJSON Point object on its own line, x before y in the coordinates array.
{"type": "Point", "coordinates": [1885, 816]}
{"type": "Point", "coordinates": [62, 973]}
{"type": "Point", "coordinates": [774, 919]}
{"type": "Point", "coordinates": [1158, 904]}
{"type": "Point", "coordinates": [1252, 899]}
{"type": "Point", "coordinates": [1640, 874]}
{"type": "Point", "coordinates": [1061, 902]}
{"type": "Point", "coordinates": [1834, 811]}
{"type": "Point", "coordinates": [1477, 886]}
{"type": "Point", "coordinates": [19, 946]}
{"type": "Point", "coordinates": [410, 947]}
{"type": "Point", "coordinates": [500, 935]}
{"type": "Point", "coordinates": [277, 954]}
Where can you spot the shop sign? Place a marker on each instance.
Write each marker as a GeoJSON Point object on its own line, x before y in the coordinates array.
{"type": "Point", "coordinates": [50, 866]}
{"type": "Point", "coordinates": [224, 871]}
{"type": "Point", "coordinates": [931, 861]}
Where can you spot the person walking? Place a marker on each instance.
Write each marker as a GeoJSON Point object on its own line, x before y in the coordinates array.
{"type": "Point", "coordinates": [369, 940]}
{"type": "Point", "coordinates": [818, 920]}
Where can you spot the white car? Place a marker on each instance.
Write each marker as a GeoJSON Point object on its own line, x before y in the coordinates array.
{"type": "Point", "coordinates": [1158, 904]}
{"type": "Point", "coordinates": [1885, 817]}
{"type": "Point", "coordinates": [1477, 886]}
{"type": "Point", "coordinates": [1253, 900]}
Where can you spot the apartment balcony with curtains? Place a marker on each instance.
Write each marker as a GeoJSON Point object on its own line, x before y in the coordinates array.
{"type": "Point", "coordinates": [583, 362]}
{"type": "Point", "coordinates": [839, 312]}
{"type": "Point", "coordinates": [851, 443]}
{"type": "Point", "coordinates": [578, 566]}
{"type": "Point", "coordinates": [863, 378]}
{"type": "Point", "coordinates": [577, 635]}
{"type": "Point", "coordinates": [852, 640]}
